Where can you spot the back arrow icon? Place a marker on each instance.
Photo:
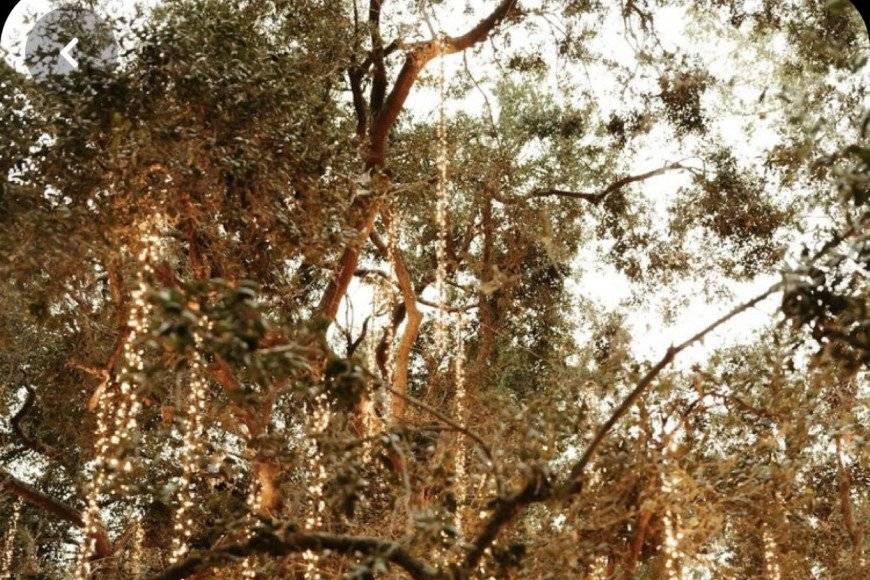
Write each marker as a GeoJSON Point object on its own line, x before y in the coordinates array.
{"type": "Point", "coordinates": [65, 53]}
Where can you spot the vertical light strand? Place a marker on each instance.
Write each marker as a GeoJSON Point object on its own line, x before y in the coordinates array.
{"type": "Point", "coordinates": [135, 564]}
{"type": "Point", "coordinates": [118, 405]}
{"type": "Point", "coordinates": [320, 418]}
{"type": "Point", "coordinates": [441, 200]}
{"type": "Point", "coordinates": [254, 502]}
{"type": "Point", "coordinates": [459, 410]}
{"type": "Point", "coordinates": [671, 522]}
{"type": "Point", "coordinates": [771, 565]}
{"type": "Point", "coordinates": [192, 447]}
{"type": "Point", "coordinates": [9, 541]}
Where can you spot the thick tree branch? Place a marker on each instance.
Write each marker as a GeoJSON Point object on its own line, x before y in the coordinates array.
{"type": "Point", "coordinates": [379, 73]}
{"type": "Point", "coordinates": [414, 63]}
{"type": "Point", "coordinates": [14, 486]}
{"type": "Point", "coordinates": [290, 542]}
{"type": "Point", "coordinates": [380, 129]}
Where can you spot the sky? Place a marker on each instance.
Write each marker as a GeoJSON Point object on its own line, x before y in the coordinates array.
{"type": "Point", "coordinates": [599, 283]}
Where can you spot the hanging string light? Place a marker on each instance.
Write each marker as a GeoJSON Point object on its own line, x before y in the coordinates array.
{"type": "Point", "coordinates": [9, 541]}
{"type": "Point", "coordinates": [193, 447]}
{"type": "Point", "coordinates": [254, 502]}
{"type": "Point", "coordinates": [135, 561]}
{"type": "Point", "coordinates": [118, 403]}
{"type": "Point", "coordinates": [320, 418]}
{"type": "Point", "coordinates": [771, 565]}
{"type": "Point", "coordinates": [459, 410]}
{"type": "Point", "coordinates": [671, 522]}
{"type": "Point", "coordinates": [441, 212]}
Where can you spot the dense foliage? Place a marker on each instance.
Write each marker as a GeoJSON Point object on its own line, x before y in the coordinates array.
{"type": "Point", "coordinates": [307, 289]}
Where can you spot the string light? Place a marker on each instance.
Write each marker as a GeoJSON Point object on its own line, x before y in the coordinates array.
{"type": "Point", "coordinates": [255, 504]}
{"type": "Point", "coordinates": [192, 448]}
{"type": "Point", "coordinates": [320, 418]}
{"type": "Point", "coordinates": [9, 541]}
{"type": "Point", "coordinates": [118, 404]}
{"type": "Point", "coordinates": [671, 522]}
{"type": "Point", "coordinates": [460, 476]}
{"type": "Point", "coordinates": [135, 562]}
{"type": "Point", "coordinates": [771, 565]}
{"type": "Point", "coordinates": [441, 212]}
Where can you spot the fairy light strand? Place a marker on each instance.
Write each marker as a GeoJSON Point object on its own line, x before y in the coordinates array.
{"type": "Point", "coordinates": [673, 535]}
{"type": "Point", "coordinates": [9, 541]}
{"type": "Point", "coordinates": [441, 212]}
{"type": "Point", "coordinates": [320, 418]}
{"type": "Point", "coordinates": [118, 406]}
{"type": "Point", "coordinates": [254, 502]}
{"type": "Point", "coordinates": [192, 449]}
{"type": "Point", "coordinates": [771, 565]}
{"type": "Point", "coordinates": [136, 557]}
{"type": "Point", "coordinates": [460, 475]}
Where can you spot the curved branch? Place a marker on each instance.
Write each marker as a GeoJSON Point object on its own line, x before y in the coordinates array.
{"type": "Point", "coordinates": [294, 542]}
{"type": "Point", "coordinates": [414, 63]}
{"type": "Point", "coordinates": [599, 196]}
{"type": "Point", "coordinates": [412, 326]}
{"type": "Point", "coordinates": [30, 442]}
{"type": "Point", "coordinates": [14, 486]}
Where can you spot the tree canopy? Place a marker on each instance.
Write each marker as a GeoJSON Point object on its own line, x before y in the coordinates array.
{"type": "Point", "coordinates": [334, 288]}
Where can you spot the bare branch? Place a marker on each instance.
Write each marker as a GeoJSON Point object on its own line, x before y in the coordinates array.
{"type": "Point", "coordinates": [599, 196]}
{"type": "Point", "coordinates": [412, 326]}
{"type": "Point", "coordinates": [414, 63]}
{"type": "Point", "coordinates": [536, 491]}
{"type": "Point", "coordinates": [30, 442]}
{"type": "Point", "coordinates": [290, 542]}
{"type": "Point", "coordinates": [14, 486]}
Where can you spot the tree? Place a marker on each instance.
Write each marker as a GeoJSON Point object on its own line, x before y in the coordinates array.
{"type": "Point", "coordinates": [263, 316]}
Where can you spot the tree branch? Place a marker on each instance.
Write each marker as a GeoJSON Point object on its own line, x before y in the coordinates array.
{"type": "Point", "coordinates": [599, 196]}
{"type": "Point", "coordinates": [289, 542]}
{"type": "Point", "coordinates": [412, 327]}
{"type": "Point", "coordinates": [414, 63]}
{"type": "Point", "coordinates": [30, 442]}
{"type": "Point", "coordinates": [536, 491]}
{"type": "Point", "coordinates": [379, 74]}
{"type": "Point", "coordinates": [14, 486]}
